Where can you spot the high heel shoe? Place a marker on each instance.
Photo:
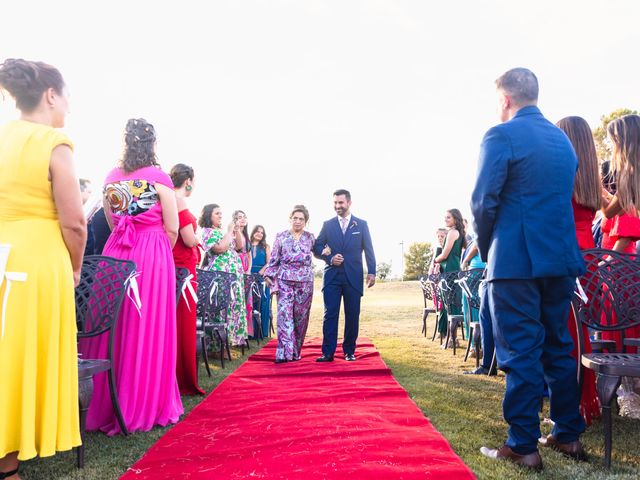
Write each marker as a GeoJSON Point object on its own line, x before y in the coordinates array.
{"type": "Point", "coordinates": [4, 475]}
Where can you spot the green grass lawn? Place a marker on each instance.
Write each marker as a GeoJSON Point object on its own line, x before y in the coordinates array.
{"type": "Point", "coordinates": [465, 409]}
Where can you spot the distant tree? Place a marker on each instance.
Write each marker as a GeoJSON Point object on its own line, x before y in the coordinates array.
{"type": "Point", "coordinates": [318, 270]}
{"type": "Point", "coordinates": [417, 260]}
{"type": "Point", "coordinates": [383, 269]}
{"type": "Point", "coordinates": [603, 148]}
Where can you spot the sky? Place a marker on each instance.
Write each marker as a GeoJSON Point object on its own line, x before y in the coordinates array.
{"type": "Point", "coordinates": [276, 103]}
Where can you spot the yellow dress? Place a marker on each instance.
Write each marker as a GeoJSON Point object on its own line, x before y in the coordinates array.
{"type": "Point", "coordinates": [38, 351]}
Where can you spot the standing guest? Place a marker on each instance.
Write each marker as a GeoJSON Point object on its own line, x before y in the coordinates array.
{"type": "Point", "coordinates": [441, 234]}
{"type": "Point", "coordinates": [42, 236]}
{"type": "Point", "coordinates": [449, 261]}
{"type": "Point", "coordinates": [586, 202]}
{"type": "Point", "coordinates": [221, 254]}
{"type": "Point", "coordinates": [621, 227]}
{"type": "Point", "coordinates": [470, 260]}
{"type": "Point", "coordinates": [244, 252]}
{"type": "Point", "coordinates": [290, 276]}
{"type": "Point", "coordinates": [525, 177]}
{"type": "Point", "coordinates": [260, 256]}
{"type": "Point", "coordinates": [340, 244]}
{"type": "Point", "coordinates": [86, 191]}
{"type": "Point", "coordinates": [142, 213]}
{"type": "Point", "coordinates": [186, 254]}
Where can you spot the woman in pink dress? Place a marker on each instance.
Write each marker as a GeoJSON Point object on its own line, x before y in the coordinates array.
{"type": "Point", "coordinates": [141, 210]}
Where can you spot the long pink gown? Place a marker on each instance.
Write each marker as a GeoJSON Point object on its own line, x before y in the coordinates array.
{"type": "Point", "coordinates": [145, 340]}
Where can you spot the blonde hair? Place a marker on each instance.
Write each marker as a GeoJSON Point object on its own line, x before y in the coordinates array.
{"type": "Point", "coordinates": [586, 187]}
{"type": "Point", "coordinates": [624, 133]}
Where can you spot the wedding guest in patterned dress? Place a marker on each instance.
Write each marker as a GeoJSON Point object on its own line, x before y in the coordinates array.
{"type": "Point", "coordinates": [221, 254]}
{"type": "Point", "coordinates": [245, 257]}
{"type": "Point", "coordinates": [141, 210]}
{"type": "Point", "coordinates": [290, 276]}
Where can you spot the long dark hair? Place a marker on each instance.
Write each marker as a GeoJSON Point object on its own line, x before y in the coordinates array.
{"type": "Point", "coordinates": [624, 132]}
{"type": "Point", "coordinates": [586, 187]}
{"type": "Point", "coordinates": [205, 217]}
{"type": "Point", "coordinates": [139, 145]}
{"type": "Point", "coordinates": [457, 217]}
{"type": "Point", "coordinates": [26, 81]}
{"type": "Point", "coordinates": [262, 243]}
{"type": "Point", "coordinates": [245, 232]}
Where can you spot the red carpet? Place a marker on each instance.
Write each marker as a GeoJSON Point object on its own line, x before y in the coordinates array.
{"type": "Point", "coordinates": [304, 420]}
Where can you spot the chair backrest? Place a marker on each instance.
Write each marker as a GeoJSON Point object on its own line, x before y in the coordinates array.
{"type": "Point", "coordinates": [214, 293]}
{"type": "Point", "coordinates": [433, 280]}
{"type": "Point", "coordinates": [254, 286]}
{"type": "Point", "coordinates": [427, 292]}
{"type": "Point", "coordinates": [103, 286]}
{"type": "Point", "coordinates": [469, 281]}
{"type": "Point", "coordinates": [450, 291]}
{"type": "Point", "coordinates": [611, 286]}
{"type": "Point", "coordinates": [181, 278]}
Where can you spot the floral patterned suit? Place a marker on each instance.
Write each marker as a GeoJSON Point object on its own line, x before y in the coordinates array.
{"type": "Point", "coordinates": [290, 268]}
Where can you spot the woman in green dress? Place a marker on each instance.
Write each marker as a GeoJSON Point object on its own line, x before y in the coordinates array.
{"type": "Point", "coordinates": [449, 260]}
{"type": "Point", "coordinates": [221, 253]}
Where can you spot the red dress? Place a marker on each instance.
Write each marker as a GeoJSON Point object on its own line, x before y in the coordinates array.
{"type": "Point", "coordinates": [589, 405]}
{"type": "Point", "coordinates": [621, 226]}
{"type": "Point", "coordinates": [187, 257]}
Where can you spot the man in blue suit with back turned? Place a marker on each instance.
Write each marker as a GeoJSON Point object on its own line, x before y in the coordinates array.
{"type": "Point", "coordinates": [522, 213]}
{"type": "Point", "coordinates": [340, 244]}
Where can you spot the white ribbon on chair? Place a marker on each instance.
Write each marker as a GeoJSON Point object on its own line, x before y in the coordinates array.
{"type": "Point", "coordinates": [213, 293]}
{"type": "Point", "coordinates": [186, 286]}
{"type": "Point", "coordinates": [133, 291]}
{"type": "Point", "coordinates": [8, 277]}
{"type": "Point", "coordinates": [465, 286]}
{"type": "Point", "coordinates": [580, 292]}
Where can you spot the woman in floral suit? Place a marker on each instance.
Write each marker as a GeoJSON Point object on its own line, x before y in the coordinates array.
{"type": "Point", "coordinates": [290, 276]}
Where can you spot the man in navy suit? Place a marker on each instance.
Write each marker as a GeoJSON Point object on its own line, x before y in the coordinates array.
{"type": "Point", "coordinates": [522, 213]}
{"type": "Point", "coordinates": [340, 244]}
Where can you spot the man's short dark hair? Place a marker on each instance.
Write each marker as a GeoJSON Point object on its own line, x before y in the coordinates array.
{"type": "Point", "coordinates": [520, 84]}
{"type": "Point", "coordinates": [344, 192]}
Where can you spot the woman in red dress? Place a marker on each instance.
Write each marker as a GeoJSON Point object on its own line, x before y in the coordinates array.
{"type": "Point", "coordinates": [621, 227]}
{"type": "Point", "coordinates": [187, 255]}
{"type": "Point", "coordinates": [586, 201]}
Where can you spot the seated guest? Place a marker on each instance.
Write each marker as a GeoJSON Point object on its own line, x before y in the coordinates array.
{"type": "Point", "coordinates": [290, 276]}
{"type": "Point", "coordinates": [260, 256]}
{"type": "Point", "coordinates": [221, 253]}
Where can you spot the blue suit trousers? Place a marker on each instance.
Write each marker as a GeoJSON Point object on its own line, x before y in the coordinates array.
{"type": "Point", "coordinates": [339, 288]}
{"type": "Point", "coordinates": [486, 327]}
{"type": "Point", "coordinates": [533, 345]}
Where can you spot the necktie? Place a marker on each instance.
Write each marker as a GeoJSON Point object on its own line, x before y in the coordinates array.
{"type": "Point", "coordinates": [343, 225]}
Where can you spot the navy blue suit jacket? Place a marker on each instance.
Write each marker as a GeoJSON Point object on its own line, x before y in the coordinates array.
{"type": "Point", "coordinates": [521, 202]}
{"type": "Point", "coordinates": [356, 240]}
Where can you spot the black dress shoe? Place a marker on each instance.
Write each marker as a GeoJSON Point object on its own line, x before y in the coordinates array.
{"type": "Point", "coordinates": [280, 360]}
{"type": "Point", "coordinates": [350, 357]}
{"type": "Point", "coordinates": [481, 371]}
{"type": "Point", "coordinates": [324, 358]}
{"type": "Point", "coordinates": [530, 460]}
{"type": "Point", "coordinates": [572, 449]}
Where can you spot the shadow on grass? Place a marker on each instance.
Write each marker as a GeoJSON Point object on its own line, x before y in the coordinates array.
{"type": "Point", "coordinates": [467, 410]}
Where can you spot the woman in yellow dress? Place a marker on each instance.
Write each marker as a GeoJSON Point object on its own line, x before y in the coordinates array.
{"type": "Point", "coordinates": [43, 230]}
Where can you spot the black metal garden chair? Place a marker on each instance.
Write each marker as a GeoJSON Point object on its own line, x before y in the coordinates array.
{"type": "Point", "coordinates": [103, 285]}
{"type": "Point", "coordinates": [183, 275]}
{"type": "Point", "coordinates": [429, 306]}
{"type": "Point", "coordinates": [608, 300]}
{"type": "Point", "coordinates": [254, 288]}
{"type": "Point", "coordinates": [452, 299]}
{"type": "Point", "coordinates": [469, 281]}
{"type": "Point", "coordinates": [433, 281]}
{"type": "Point", "coordinates": [214, 297]}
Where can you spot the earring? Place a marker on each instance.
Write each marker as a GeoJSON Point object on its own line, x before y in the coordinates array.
{"type": "Point", "coordinates": [188, 188]}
